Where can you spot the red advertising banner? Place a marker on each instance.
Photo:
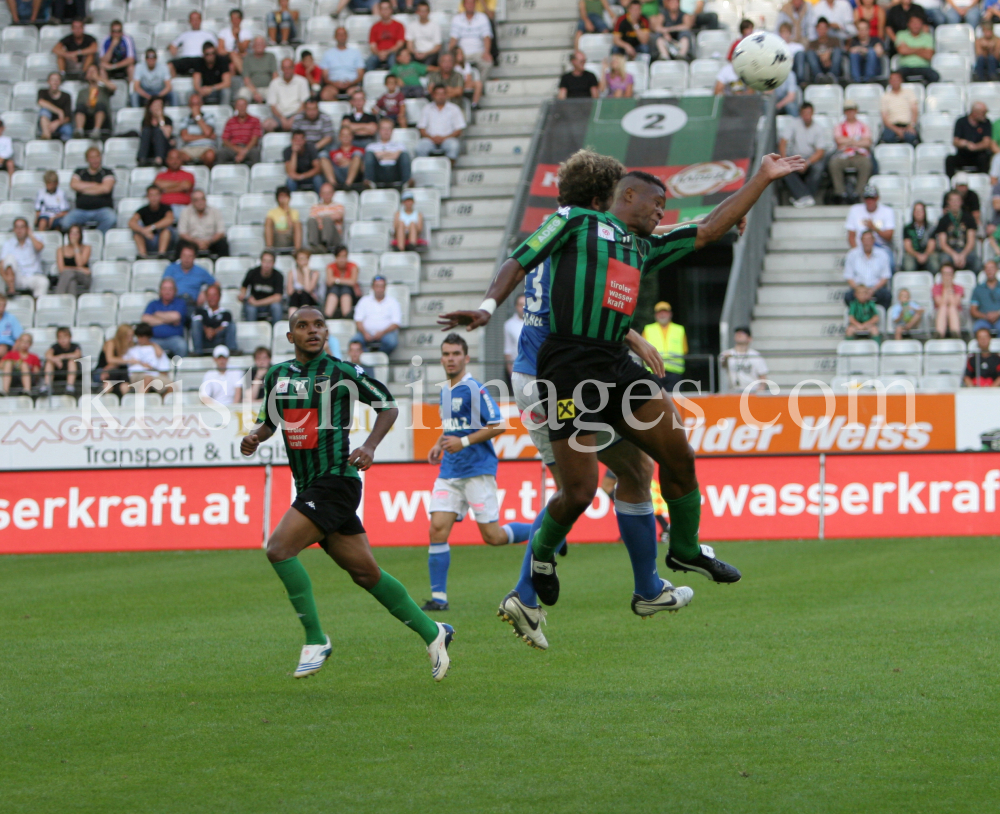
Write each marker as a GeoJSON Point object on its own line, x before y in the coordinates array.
{"type": "Point", "coordinates": [912, 495]}
{"type": "Point", "coordinates": [131, 510]}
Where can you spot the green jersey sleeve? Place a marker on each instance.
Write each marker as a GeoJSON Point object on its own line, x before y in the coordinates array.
{"type": "Point", "coordinates": [264, 416]}
{"type": "Point", "coordinates": [669, 248]}
{"type": "Point", "coordinates": [548, 238]}
{"type": "Point", "coordinates": [370, 391]}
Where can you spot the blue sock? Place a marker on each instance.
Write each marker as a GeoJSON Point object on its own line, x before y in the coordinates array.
{"type": "Point", "coordinates": [637, 526]}
{"type": "Point", "coordinates": [517, 532]}
{"type": "Point", "coordinates": [438, 561]}
{"type": "Point", "coordinates": [524, 587]}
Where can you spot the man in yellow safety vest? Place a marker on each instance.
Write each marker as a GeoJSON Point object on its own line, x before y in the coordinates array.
{"type": "Point", "coordinates": [670, 340]}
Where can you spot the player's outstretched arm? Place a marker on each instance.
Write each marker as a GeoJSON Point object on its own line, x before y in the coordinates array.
{"type": "Point", "coordinates": [364, 455]}
{"type": "Point", "coordinates": [732, 210]}
{"type": "Point", "coordinates": [507, 279]}
{"type": "Point", "coordinates": [257, 436]}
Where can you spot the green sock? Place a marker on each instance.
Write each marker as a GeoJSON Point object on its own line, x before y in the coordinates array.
{"type": "Point", "coordinates": [685, 517]}
{"type": "Point", "coordinates": [391, 593]}
{"type": "Point", "coordinates": [549, 537]}
{"type": "Point", "coordinates": [300, 592]}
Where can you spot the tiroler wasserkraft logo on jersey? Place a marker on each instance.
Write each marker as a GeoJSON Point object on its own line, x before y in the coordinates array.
{"type": "Point", "coordinates": [546, 233]}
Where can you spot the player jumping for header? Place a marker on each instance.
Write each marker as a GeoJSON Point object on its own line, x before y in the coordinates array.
{"type": "Point", "coordinates": [312, 399]}
{"type": "Point", "coordinates": [467, 478]}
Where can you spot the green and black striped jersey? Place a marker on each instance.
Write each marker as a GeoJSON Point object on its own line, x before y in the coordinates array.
{"type": "Point", "coordinates": [313, 403]}
{"type": "Point", "coordinates": [595, 268]}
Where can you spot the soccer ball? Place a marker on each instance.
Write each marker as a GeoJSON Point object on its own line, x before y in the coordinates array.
{"type": "Point", "coordinates": [762, 61]}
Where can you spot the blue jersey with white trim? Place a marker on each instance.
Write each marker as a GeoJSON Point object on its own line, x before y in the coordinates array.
{"type": "Point", "coordinates": [465, 408]}
{"type": "Point", "coordinates": [536, 319]}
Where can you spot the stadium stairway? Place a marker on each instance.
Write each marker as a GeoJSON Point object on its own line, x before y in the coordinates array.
{"type": "Point", "coordinates": [798, 318]}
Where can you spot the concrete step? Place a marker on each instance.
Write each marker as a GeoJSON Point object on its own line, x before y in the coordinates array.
{"type": "Point", "coordinates": [489, 212]}
{"type": "Point", "coordinates": [806, 242]}
{"type": "Point", "coordinates": [489, 191]}
{"type": "Point", "coordinates": [425, 308]}
{"type": "Point", "coordinates": [427, 342]}
{"type": "Point", "coordinates": [821, 310]}
{"type": "Point", "coordinates": [459, 245]}
{"type": "Point", "coordinates": [810, 213]}
{"type": "Point", "coordinates": [513, 101]}
{"type": "Point", "coordinates": [536, 33]}
{"type": "Point", "coordinates": [507, 116]}
{"type": "Point", "coordinates": [481, 177]}
{"type": "Point", "coordinates": [511, 147]}
{"type": "Point", "coordinates": [471, 162]}
{"type": "Point", "coordinates": [805, 344]}
{"type": "Point", "coordinates": [803, 364]}
{"type": "Point", "coordinates": [495, 130]}
{"type": "Point", "coordinates": [791, 296]}
{"type": "Point", "coordinates": [797, 329]}
{"type": "Point", "coordinates": [789, 380]}
{"type": "Point", "coordinates": [457, 272]}
{"type": "Point", "coordinates": [797, 229]}
{"type": "Point", "coordinates": [531, 10]}
{"type": "Point", "coordinates": [520, 88]}
{"type": "Point", "coordinates": [802, 278]}
{"type": "Point", "coordinates": [805, 260]}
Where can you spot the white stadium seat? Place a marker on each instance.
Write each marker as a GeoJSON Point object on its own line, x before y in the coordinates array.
{"type": "Point", "coordinates": [110, 276]}
{"type": "Point", "coordinates": [146, 274]}
{"type": "Point", "coordinates": [379, 204]}
{"type": "Point", "coordinates": [55, 310]}
{"type": "Point", "coordinates": [132, 305]}
{"type": "Point", "coordinates": [669, 74]}
{"type": "Point", "coordinates": [253, 207]}
{"type": "Point", "coordinates": [267, 177]}
{"type": "Point", "coordinates": [702, 73]}
{"type": "Point", "coordinates": [894, 159]}
{"type": "Point", "coordinates": [368, 236]}
{"type": "Point", "coordinates": [247, 240]}
{"type": "Point", "coordinates": [230, 179]}
{"type": "Point", "coordinates": [857, 357]}
{"type": "Point", "coordinates": [944, 356]}
{"type": "Point", "coordinates": [901, 357]}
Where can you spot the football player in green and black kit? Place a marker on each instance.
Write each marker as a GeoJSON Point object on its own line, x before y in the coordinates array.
{"type": "Point", "coordinates": [311, 398]}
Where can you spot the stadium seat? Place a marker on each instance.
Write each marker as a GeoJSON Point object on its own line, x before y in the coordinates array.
{"type": "Point", "coordinates": [120, 152]}
{"type": "Point", "coordinates": [401, 267]}
{"type": "Point", "coordinates": [408, 136]}
{"type": "Point", "coordinates": [110, 277]}
{"type": "Point", "coordinates": [857, 357]}
{"type": "Point", "coordinates": [337, 110]}
{"type": "Point", "coordinates": [230, 179]}
{"type": "Point", "coordinates": [149, 11]}
{"type": "Point", "coordinates": [868, 96]}
{"type": "Point", "coordinates": [702, 73]}
{"type": "Point", "coordinates": [894, 159]}
{"type": "Point", "coordinates": [23, 308]}
{"type": "Point", "coordinates": [118, 245]}
{"type": "Point", "coordinates": [253, 207]}
{"type": "Point", "coordinates": [988, 93]}
{"type": "Point", "coordinates": [51, 242]}
{"type": "Point", "coordinates": [12, 67]}
{"type": "Point", "coordinates": [980, 184]}
{"type": "Point", "coordinates": [250, 335]}
{"type": "Point", "coordinates": [24, 185]}
{"type": "Point", "coordinates": [24, 96]}
{"type": "Point", "coordinates": [230, 301]}
{"type": "Point", "coordinates": [414, 107]}
{"type": "Point", "coordinates": [272, 147]}
{"type": "Point", "coordinates": [902, 357]}
{"type": "Point", "coordinates": [893, 190]}
{"type": "Point", "coordinates": [936, 128]}
{"type": "Point", "coordinates": [11, 210]}
{"type": "Point", "coordinates": [146, 274]}
{"type": "Point", "coordinates": [245, 240]}
{"type": "Point", "coordinates": [918, 283]}
{"type": "Point", "coordinates": [42, 154]}
{"type": "Point", "coordinates": [180, 9]}
{"type": "Point", "coordinates": [226, 204]}
{"type": "Point", "coordinates": [826, 99]}
{"type": "Point", "coordinates": [37, 67]}
{"type": "Point", "coordinates": [132, 305]}
{"type": "Point", "coordinates": [54, 309]}
{"type": "Point", "coordinates": [367, 263]}
{"type": "Point", "coordinates": [267, 177]}
{"type": "Point", "coordinates": [373, 83]}
{"type": "Point", "coordinates": [929, 188]}
{"type": "Point", "coordinates": [952, 67]}
{"type": "Point", "coordinates": [63, 402]}
{"type": "Point", "coordinates": [940, 383]}
{"type": "Point", "coordinates": [42, 337]}
{"type": "Point", "coordinates": [945, 97]}
{"type": "Point", "coordinates": [379, 204]}
{"type": "Point", "coordinates": [595, 46]}
{"type": "Point", "coordinates": [230, 271]}
{"type": "Point", "coordinates": [139, 179]}
{"type": "Point", "coordinates": [350, 200]}
{"type": "Point", "coordinates": [126, 208]}
{"type": "Point", "coordinates": [19, 40]}
{"type": "Point", "coordinates": [141, 34]}
{"type": "Point", "coordinates": [713, 44]}
{"type": "Point", "coordinates": [303, 201]}
{"type": "Point", "coordinates": [16, 404]}
{"type": "Point", "coordinates": [432, 172]}
{"type": "Point", "coordinates": [95, 239]}
{"type": "Point", "coordinates": [929, 158]}
{"type": "Point", "coordinates": [151, 400]}
{"type": "Point", "coordinates": [669, 74]}
{"type": "Point", "coordinates": [75, 152]}
{"type": "Point", "coordinates": [90, 338]}
{"type": "Point", "coordinates": [955, 39]}
{"type": "Point", "coordinates": [343, 330]}
{"type": "Point", "coordinates": [129, 120]}
{"type": "Point", "coordinates": [368, 236]}
{"type": "Point", "coordinates": [20, 125]}
{"type": "Point", "coordinates": [428, 203]}
{"type": "Point", "coordinates": [944, 356]}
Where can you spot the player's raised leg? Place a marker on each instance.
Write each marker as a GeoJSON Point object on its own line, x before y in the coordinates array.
{"type": "Point", "coordinates": [439, 558]}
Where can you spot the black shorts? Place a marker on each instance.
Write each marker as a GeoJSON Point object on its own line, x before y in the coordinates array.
{"type": "Point", "coordinates": [566, 362]}
{"type": "Point", "coordinates": [332, 504]}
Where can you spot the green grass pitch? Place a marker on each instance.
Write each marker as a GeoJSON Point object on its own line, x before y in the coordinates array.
{"type": "Point", "coordinates": [839, 676]}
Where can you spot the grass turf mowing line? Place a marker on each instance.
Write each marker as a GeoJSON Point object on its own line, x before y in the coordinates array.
{"type": "Point", "coordinates": [838, 676]}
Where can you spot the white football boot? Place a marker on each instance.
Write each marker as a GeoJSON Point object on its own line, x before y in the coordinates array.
{"type": "Point", "coordinates": [526, 621]}
{"type": "Point", "coordinates": [670, 599]}
{"type": "Point", "coordinates": [438, 651]}
{"type": "Point", "coordinates": [313, 658]}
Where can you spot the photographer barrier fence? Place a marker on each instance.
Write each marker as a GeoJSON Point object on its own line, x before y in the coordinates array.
{"type": "Point", "coordinates": [811, 496]}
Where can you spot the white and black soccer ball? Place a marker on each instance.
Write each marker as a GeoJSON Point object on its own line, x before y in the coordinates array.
{"type": "Point", "coordinates": [762, 61]}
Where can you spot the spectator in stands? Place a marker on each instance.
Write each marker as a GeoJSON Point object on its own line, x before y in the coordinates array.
{"type": "Point", "coordinates": [864, 56]}
{"type": "Point", "coordinates": [156, 135]}
{"type": "Point", "coordinates": [282, 25]}
{"type": "Point", "coordinates": [385, 38]}
{"type": "Point", "coordinates": [175, 183]}
{"type": "Point", "coordinates": [222, 385]}
{"type": "Point", "coordinates": [73, 264]}
{"type": "Point", "coordinates": [196, 134]}
{"type": "Point", "coordinates": [957, 230]}
{"type": "Point", "coordinates": [632, 33]}
{"type": "Point", "coordinates": [900, 112]}
{"type": "Point", "coordinates": [363, 125]}
{"type": "Point", "coordinates": [987, 56]}
{"type": "Point", "coordinates": [985, 303]}
{"type": "Point", "coordinates": [982, 369]}
{"type": "Point", "coordinates": [672, 28]}
{"type": "Point", "coordinates": [303, 283]}
{"type": "Point", "coordinates": [213, 76]}
{"type": "Point", "coordinates": [796, 49]}
{"type": "Point", "coordinates": [152, 225]}
{"type": "Point", "coordinates": [592, 19]}
{"type": "Point", "coordinates": [392, 103]}
{"type": "Point", "coordinates": [451, 80]}
{"type": "Point", "coordinates": [203, 227]}
{"type": "Point", "coordinates": [377, 318]}
{"type": "Point", "coordinates": [854, 141]}
{"type": "Point", "coordinates": [728, 83]}
{"type": "Point", "coordinates": [151, 81]}
{"type": "Point", "coordinates": [54, 110]}
{"type": "Point", "coordinates": [919, 245]}
{"type": "Point", "coordinates": [318, 128]}
{"type": "Point", "coordinates": [616, 82]}
{"type": "Point", "coordinates": [970, 199]}
{"type": "Point", "coordinates": [51, 203]}
{"type": "Point", "coordinates": [306, 67]}
{"type": "Point", "coordinates": [962, 11]}
{"type": "Point", "coordinates": [746, 29]}
{"type": "Point", "coordinates": [346, 162]}
{"type": "Point", "coordinates": [354, 351]}
{"type": "Point", "coordinates": [670, 340]}
{"type": "Point", "coordinates": [166, 317]}
{"type": "Point", "coordinates": [441, 125]}
{"type": "Point", "coordinates": [21, 263]}
{"type": "Point", "coordinates": [10, 326]}
{"type": "Point", "coordinates": [75, 52]}
{"type": "Point", "coordinates": [905, 315]}
{"type": "Point", "coordinates": [6, 152]}
{"type": "Point", "coordinates": [512, 327]}
{"type": "Point", "coordinates": [61, 363]}
{"type": "Point", "coordinates": [94, 186]}
{"type": "Point", "coordinates": [409, 74]}
{"type": "Point", "coordinates": [823, 55]}
{"type": "Point", "coordinates": [261, 364]}
{"type": "Point", "coordinates": [870, 15]}
{"type": "Point", "coordinates": [863, 319]}
{"type": "Point", "coordinates": [302, 164]}
{"type": "Point", "coordinates": [915, 47]}
{"type": "Point", "coordinates": [186, 50]}
{"type": "Point", "coordinates": [22, 361]}
{"type": "Point", "coordinates": [864, 266]}
{"type": "Point", "coordinates": [423, 36]}
{"type": "Point", "coordinates": [282, 228]}
{"type": "Point", "coordinates": [343, 66]}
{"type": "Point", "coordinates": [387, 162]}
{"type": "Point", "coordinates": [342, 287]}
{"type": "Point", "coordinates": [898, 15]}
{"type": "Point", "coordinates": [146, 360]}
{"type": "Point", "coordinates": [809, 140]}
{"type": "Point", "coordinates": [947, 303]}
{"type": "Point", "coordinates": [286, 96]}
{"type": "Point", "coordinates": [117, 54]}
{"type": "Point", "coordinates": [235, 40]}
{"type": "Point", "coordinates": [241, 137]}
{"type": "Point", "coordinates": [190, 279]}
{"type": "Point", "coordinates": [261, 291]}
{"type": "Point", "coordinates": [111, 369]}
{"type": "Point", "coordinates": [745, 367]}
{"type": "Point", "coordinates": [799, 15]}
{"type": "Point", "coordinates": [93, 105]}
{"type": "Point", "coordinates": [472, 87]}
{"type": "Point", "coordinates": [874, 216]}
{"type": "Point", "coordinates": [991, 12]}
{"type": "Point", "coordinates": [212, 326]}
{"type": "Point", "coordinates": [578, 82]}
{"type": "Point", "coordinates": [471, 31]}
{"type": "Point", "coordinates": [408, 226]}
{"type": "Point", "coordinates": [259, 68]}
{"type": "Point", "coordinates": [839, 14]}
{"type": "Point", "coordinates": [325, 226]}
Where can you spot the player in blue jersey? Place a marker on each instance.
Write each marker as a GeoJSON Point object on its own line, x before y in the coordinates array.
{"type": "Point", "coordinates": [585, 180]}
{"type": "Point", "coordinates": [470, 419]}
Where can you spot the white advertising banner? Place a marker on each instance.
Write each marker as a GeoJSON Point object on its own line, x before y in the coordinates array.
{"type": "Point", "coordinates": [977, 410]}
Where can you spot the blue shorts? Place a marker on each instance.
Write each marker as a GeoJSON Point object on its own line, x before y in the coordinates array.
{"type": "Point", "coordinates": [596, 20]}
